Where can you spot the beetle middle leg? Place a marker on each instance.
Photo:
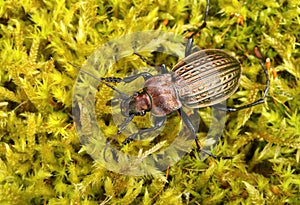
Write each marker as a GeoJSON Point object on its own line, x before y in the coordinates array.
{"type": "Point", "coordinates": [189, 45]}
{"type": "Point", "coordinates": [158, 122]}
{"type": "Point", "coordinates": [161, 67]}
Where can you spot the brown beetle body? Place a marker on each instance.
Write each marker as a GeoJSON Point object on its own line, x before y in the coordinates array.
{"type": "Point", "coordinates": [201, 79]}
{"type": "Point", "coordinates": [204, 78]}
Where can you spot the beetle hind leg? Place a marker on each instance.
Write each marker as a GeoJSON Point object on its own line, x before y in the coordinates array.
{"type": "Point", "coordinates": [190, 126]}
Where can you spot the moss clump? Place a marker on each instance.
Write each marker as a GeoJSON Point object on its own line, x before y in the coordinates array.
{"type": "Point", "coordinates": [41, 158]}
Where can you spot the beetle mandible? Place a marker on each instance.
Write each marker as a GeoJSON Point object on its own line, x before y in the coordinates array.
{"type": "Point", "coordinates": [204, 78]}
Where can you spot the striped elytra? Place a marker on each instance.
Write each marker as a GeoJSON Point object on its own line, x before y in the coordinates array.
{"type": "Point", "coordinates": [206, 77]}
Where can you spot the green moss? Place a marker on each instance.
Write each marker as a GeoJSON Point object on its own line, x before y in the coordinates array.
{"type": "Point", "coordinates": [41, 158]}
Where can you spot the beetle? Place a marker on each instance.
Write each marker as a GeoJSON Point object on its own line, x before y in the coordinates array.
{"type": "Point", "coordinates": [203, 78]}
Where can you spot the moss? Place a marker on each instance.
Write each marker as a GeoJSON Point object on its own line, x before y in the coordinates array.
{"type": "Point", "coordinates": [41, 158]}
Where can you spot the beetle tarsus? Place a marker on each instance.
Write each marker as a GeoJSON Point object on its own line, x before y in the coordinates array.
{"type": "Point", "coordinates": [129, 139]}
{"type": "Point", "coordinates": [199, 147]}
{"type": "Point", "coordinates": [112, 80]}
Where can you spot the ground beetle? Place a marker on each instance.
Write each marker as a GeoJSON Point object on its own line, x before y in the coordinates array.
{"type": "Point", "coordinates": [204, 78]}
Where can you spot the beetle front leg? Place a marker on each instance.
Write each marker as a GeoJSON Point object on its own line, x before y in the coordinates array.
{"type": "Point", "coordinates": [158, 122]}
{"type": "Point", "coordinates": [145, 75]}
{"type": "Point", "coordinates": [128, 79]}
{"type": "Point", "coordinates": [190, 126]}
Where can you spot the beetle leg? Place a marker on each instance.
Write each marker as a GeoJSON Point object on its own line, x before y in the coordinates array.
{"type": "Point", "coordinates": [145, 75]}
{"type": "Point", "coordinates": [189, 124]}
{"type": "Point", "coordinates": [161, 67]}
{"type": "Point", "coordinates": [144, 59]}
{"type": "Point", "coordinates": [234, 109]}
{"type": "Point", "coordinates": [189, 45]}
{"type": "Point", "coordinates": [158, 122]}
{"type": "Point", "coordinates": [129, 79]}
{"type": "Point", "coordinates": [121, 128]}
{"type": "Point", "coordinates": [125, 123]}
{"type": "Point", "coordinates": [107, 80]}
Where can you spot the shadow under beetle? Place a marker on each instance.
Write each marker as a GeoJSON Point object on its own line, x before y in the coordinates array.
{"type": "Point", "coordinates": [204, 78]}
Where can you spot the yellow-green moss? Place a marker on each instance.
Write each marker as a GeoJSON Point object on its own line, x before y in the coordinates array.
{"type": "Point", "coordinates": [41, 158]}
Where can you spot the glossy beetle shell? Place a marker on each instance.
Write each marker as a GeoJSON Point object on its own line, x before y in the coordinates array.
{"type": "Point", "coordinates": [206, 77]}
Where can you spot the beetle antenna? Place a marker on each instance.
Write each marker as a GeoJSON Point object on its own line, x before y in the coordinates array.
{"type": "Point", "coordinates": [123, 96]}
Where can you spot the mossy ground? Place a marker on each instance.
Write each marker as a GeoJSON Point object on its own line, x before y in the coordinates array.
{"type": "Point", "coordinates": [41, 158]}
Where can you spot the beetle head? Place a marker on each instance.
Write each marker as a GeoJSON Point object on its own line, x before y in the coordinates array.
{"type": "Point", "coordinates": [137, 105]}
